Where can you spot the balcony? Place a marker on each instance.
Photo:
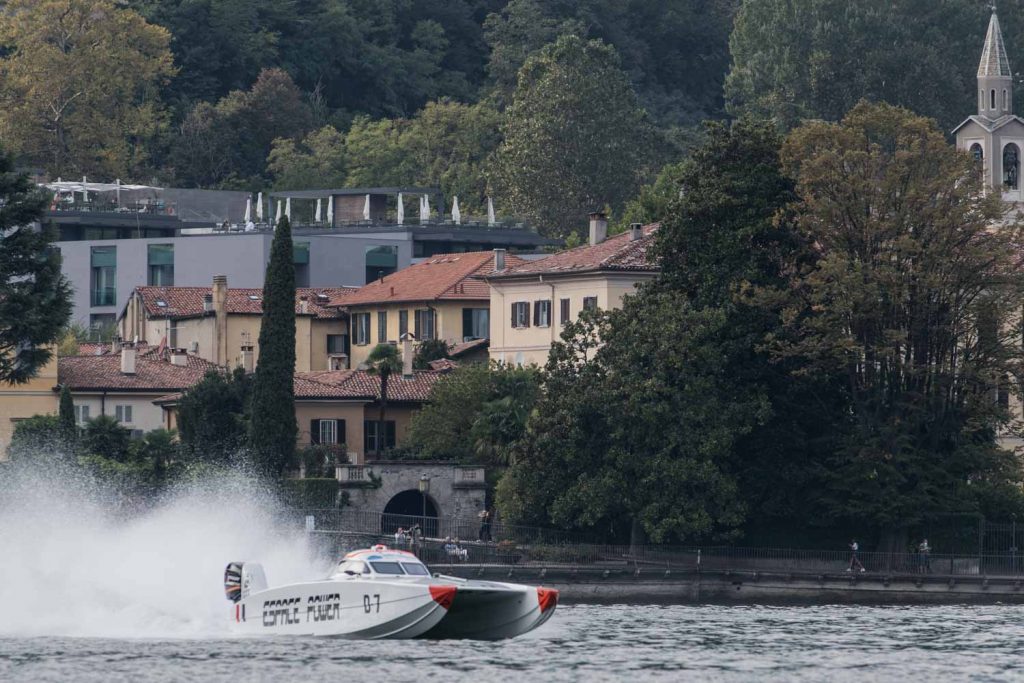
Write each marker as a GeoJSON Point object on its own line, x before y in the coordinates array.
{"type": "Point", "coordinates": [355, 476]}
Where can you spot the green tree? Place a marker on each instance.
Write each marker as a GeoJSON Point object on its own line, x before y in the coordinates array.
{"type": "Point", "coordinates": [39, 436]}
{"type": "Point", "coordinates": [556, 174]}
{"type": "Point", "coordinates": [80, 85]}
{"type": "Point", "coordinates": [475, 414]}
{"type": "Point", "coordinates": [634, 433]}
{"type": "Point", "coordinates": [273, 429]}
{"type": "Point", "coordinates": [430, 350]}
{"type": "Point", "coordinates": [212, 416]}
{"type": "Point", "coordinates": [66, 415]}
{"type": "Point", "coordinates": [807, 59]}
{"type": "Point", "coordinates": [35, 299]}
{"type": "Point", "coordinates": [652, 203]}
{"type": "Point", "coordinates": [384, 360]}
{"type": "Point", "coordinates": [915, 303]}
{"type": "Point", "coordinates": [319, 160]}
{"type": "Point", "coordinates": [104, 437]}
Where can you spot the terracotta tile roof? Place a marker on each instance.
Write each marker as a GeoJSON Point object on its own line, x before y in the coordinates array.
{"type": "Point", "coordinates": [617, 253]}
{"type": "Point", "coordinates": [187, 302]}
{"type": "Point", "coordinates": [464, 348]}
{"type": "Point", "coordinates": [443, 364]}
{"type": "Point", "coordinates": [83, 373]}
{"type": "Point", "coordinates": [442, 276]}
{"type": "Point", "coordinates": [361, 385]}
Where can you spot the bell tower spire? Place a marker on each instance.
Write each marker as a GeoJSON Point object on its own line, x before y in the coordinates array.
{"type": "Point", "coordinates": [995, 80]}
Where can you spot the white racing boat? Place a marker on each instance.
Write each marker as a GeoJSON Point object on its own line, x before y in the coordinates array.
{"type": "Point", "coordinates": [384, 593]}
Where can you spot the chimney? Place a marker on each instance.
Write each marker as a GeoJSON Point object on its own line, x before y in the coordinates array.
{"type": "Point", "coordinates": [179, 357]}
{"type": "Point", "coordinates": [127, 359]}
{"type": "Point", "coordinates": [407, 352]}
{"type": "Point", "coordinates": [499, 260]}
{"type": "Point", "coordinates": [304, 304]}
{"type": "Point", "coordinates": [207, 302]}
{"type": "Point", "coordinates": [598, 227]}
{"type": "Point", "coordinates": [636, 231]}
{"type": "Point", "coordinates": [220, 326]}
{"type": "Point", "coordinates": [247, 358]}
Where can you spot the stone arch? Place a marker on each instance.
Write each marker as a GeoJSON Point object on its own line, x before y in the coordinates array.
{"type": "Point", "coordinates": [1011, 166]}
{"type": "Point", "coordinates": [977, 152]}
{"type": "Point", "coordinates": [406, 508]}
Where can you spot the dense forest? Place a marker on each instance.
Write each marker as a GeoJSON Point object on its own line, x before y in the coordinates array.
{"type": "Point", "coordinates": [553, 107]}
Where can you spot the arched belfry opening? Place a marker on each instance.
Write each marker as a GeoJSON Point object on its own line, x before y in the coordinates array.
{"type": "Point", "coordinates": [1011, 167]}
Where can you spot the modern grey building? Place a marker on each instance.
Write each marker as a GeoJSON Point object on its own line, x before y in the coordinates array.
{"type": "Point", "coordinates": [107, 253]}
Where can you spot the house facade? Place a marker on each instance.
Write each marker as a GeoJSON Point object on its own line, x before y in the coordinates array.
{"type": "Point", "coordinates": [22, 401]}
{"type": "Point", "coordinates": [532, 302]}
{"type": "Point", "coordinates": [222, 325]}
{"type": "Point", "coordinates": [442, 297]}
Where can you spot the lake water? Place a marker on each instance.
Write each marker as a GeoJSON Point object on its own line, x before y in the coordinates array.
{"type": "Point", "coordinates": [581, 642]}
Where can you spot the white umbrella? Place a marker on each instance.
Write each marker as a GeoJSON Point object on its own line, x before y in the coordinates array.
{"type": "Point", "coordinates": [288, 208]}
{"type": "Point", "coordinates": [456, 214]}
{"type": "Point", "coordinates": [425, 215]}
{"type": "Point", "coordinates": [401, 209]}
{"type": "Point", "coordinates": [490, 212]}
{"type": "Point", "coordinates": [366, 209]}
{"type": "Point", "coordinates": [259, 208]}
{"type": "Point", "coordinates": [277, 219]}
{"type": "Point", "coordinates": [330, 211]}
{"type": "Point", "coordinates": [118, 181]}
{"type": "Point", "coordinates": [317, 219]}
{"type": "Point", "coordinates": [248, 209]}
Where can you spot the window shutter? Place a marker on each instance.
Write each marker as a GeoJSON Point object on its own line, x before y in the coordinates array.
{"type": "Point", "coordinates": [389, 429]}
{"type": "Point", "coordinates": [314, 431]}
{"type": "Point", "coordinates": [536, 313]}
{"type": "Point", "coordinates": [526, 316]}
{"type": "Point", "coordinates": [416, 324]}
{"type": "Point", "coordinates": [513, 315]}
{"type": "Point", "coordinates": [341, 432]}
{"type": "Point", "coordinates": [467, 322]}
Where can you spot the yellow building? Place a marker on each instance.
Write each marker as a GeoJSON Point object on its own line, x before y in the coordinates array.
{"type": "Point", "coordinates": [442, 297]}
{"type": "Point", "coordinates": [222, 325]}
{"type": "Point", "coordinates": [38, 396]}
{"type": "Point", "coordinates": [532, 301]}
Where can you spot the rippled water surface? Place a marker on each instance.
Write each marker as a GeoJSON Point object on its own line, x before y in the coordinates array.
{"type": "Point", "coordinates": [584, 642]}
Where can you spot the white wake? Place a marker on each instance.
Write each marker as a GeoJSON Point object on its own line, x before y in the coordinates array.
{"type": "Point", "coordinates": [74, 563]}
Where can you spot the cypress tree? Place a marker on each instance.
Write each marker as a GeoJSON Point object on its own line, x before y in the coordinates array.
{"type": "Point", "coordinates": [66, 418]}
{"type": "Point", "coordinates": [273, 428]}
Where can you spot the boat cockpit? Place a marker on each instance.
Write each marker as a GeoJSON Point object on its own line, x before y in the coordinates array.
{"type": "Point", "coordinates": [379, 565]}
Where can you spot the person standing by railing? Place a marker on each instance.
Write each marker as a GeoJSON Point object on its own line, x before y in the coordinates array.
{"type": "Point", "coordinates": [854, 560]}
{"type": "Point", "coordinates": [924, 556]}
{"type": "Point", "coordinates": [485, 525]}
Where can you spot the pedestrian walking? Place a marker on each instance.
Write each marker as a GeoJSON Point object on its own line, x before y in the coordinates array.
{"type": "Point", "coordinates": [924, 552]}
{"type": "Point", "coordinates": [854, 560]}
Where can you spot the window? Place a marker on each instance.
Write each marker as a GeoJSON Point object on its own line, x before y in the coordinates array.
{"type": "Point", "coordinates": [371, 430]}
{"type": "Point", "coordinates": [300, 257]}
{"type": "Point", "coordinates": [424, 324]}
{"type": "Point", "coordinates": [403, 324]}
{"type": "Point", "coordinates": [102, 326]}
{"type": "Point", "coordinates": [1011, 166]}
{"type": "Point", "coordinates": [382, 326]}
{"type": "Point", "coordinates": [977, 152]}
{"type": "Point", "coordinates": [102, 278]}
{"type": "Point", "coordinates": [981, 100]}
{"type": "Point", "coordinates": [1006, 100]}
{"type": "Point", "coordinates": [361, 328]}
{"type": "Point", "coordinates": [542, 313]}
{"type": "Point", "coordinates": [380, 262]}
{"type": "Point", "coordinates": [590, 303]}
{"type": "Point", "coordinates": [81, 414]}
{"type": "Point", "coordinates": [476, 323]}
{"type": "Point", "coordinates": [160, 258]}
{"type": "Point", "coordinates": [172, 336]}
{"type": "Point", "coordinates": [521, 314]}
{"type": "Point", "coordinates": [993, 107]}
{"type": "Point", "coordinates": [563, 311]}
{"type": "Point", "coordinates": [387, 568]}
{"type": "Point", "coordinates": [337, 343]}
{"type": "Point", "coordinates": [415, 569]}
{"type": "Point", "coordinates": [327, 431]}
{"type": "Point", "coordinates": [123, 414]}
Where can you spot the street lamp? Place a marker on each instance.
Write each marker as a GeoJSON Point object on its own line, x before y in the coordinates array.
{"type": "Point", "coordinates": [424, 490]}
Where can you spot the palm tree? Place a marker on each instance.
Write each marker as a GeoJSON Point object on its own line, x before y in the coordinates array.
{"type": "Point", "coordinates": [383, 360]}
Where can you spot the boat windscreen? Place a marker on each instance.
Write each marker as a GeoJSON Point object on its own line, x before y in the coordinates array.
{"type": "Point", "coordinates": [415, 568]}
{"type": "Point", "coordinates": [387, 568]}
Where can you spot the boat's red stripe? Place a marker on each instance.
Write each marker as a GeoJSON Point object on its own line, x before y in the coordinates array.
{"type": "Point", "coordinates": [547, 598]}
{"type": "Point", "coordinates": [443, 595]}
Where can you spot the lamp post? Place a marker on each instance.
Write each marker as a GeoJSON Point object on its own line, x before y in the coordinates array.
{"type": "Point", "coordinates": [424, 486]}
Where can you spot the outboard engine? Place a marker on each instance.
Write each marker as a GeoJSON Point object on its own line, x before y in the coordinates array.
{"type": "Point", "coordinates": [243, 578]}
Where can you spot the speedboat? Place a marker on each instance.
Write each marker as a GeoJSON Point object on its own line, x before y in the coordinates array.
{"type": "Point", "coordinates": [384, 593]}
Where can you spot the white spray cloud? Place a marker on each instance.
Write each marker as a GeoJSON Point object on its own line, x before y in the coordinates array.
{"type": "Point", "coordinates": [73, 562]}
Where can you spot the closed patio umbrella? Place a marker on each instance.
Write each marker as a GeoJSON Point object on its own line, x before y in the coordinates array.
{"type": "Point", "coordinates": [288, 208]}
{"type": "Point", "coordinates": [259, 207]}
{"type": "Point", "coordinates": [456, 214]}
{"type": "Point", "coordinates": [401, 209]}
{"type": "Point", "coordinates": [248, 209]}
{"type": "Point", "coordinates": [330, 211]}
{"type": "Point", "coordinates": [317, 218]}
{"type": "Point", "coordinates": [277, 218]}
{"type": "Point", "coordinates": [366, 208]}
{"type": "Point", "coordinates": [490, 212]}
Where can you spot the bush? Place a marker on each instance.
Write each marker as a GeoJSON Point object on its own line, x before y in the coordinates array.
{"type": "Point", "coordinates": [311, 494]}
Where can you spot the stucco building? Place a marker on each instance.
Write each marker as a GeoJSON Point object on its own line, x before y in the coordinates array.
{"type": "Point", "coordinates": [532, 301]}
{"type": "Point", "coordinates": [442, 297]}
{"type": "Point", "coordinates": [222, 324]}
